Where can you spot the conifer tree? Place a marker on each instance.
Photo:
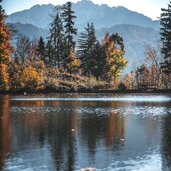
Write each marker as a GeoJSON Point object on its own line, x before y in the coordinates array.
{"type": "Point", "coordinates": [165, 32]}
{"type": "Point", "coordinates": [87, 49]}
{"type": "Point", "coordinates": [56, 40]}
{"type": "Point", "coordinates": [50, 54]}
{"type": "Point", "coordinates": [5, 50]}
{"type": "Point", "coordinates": [70, 31]}
{"type": "Point", "coordinates": [41, 49]}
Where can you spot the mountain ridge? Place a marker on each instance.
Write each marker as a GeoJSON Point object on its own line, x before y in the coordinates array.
{"type": "Point", "coordinates": [86, 11]}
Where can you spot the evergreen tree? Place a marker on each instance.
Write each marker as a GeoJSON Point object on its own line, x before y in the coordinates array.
{"type": "Point", "coordinates": [41, 49]}
{"type": "Point", "coordinates": [87, 50]}
{"type": "Point", "coordinates": [56, 40]}
{"type": "Point", "coordinates": [50, 54]}
{"type": "Point", "coordinates": [5, 50]}
{"type": "Point", "coordinates": [68, 19]}
{"type": "Point", "coordinates": [98, 54]}
{"type": "Point", "coordinates": [165, 32]}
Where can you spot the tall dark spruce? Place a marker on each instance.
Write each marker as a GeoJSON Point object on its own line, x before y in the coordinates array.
{"type": "Point", "coordinates": [55, 45]}
{"type": "Point", "coordinates": [165, 32]}
{"type": "Point", "coordinates": [88, 51]}
{"type": "Point", "coordinates": [69, 29]}
{"type": "Point", "coordinates": [41, 49]}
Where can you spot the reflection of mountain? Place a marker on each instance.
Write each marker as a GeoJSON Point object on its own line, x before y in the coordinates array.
{"type": "Point", "coordinates": [5, 132]}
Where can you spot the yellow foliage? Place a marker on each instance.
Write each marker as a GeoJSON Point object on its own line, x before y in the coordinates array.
{"type": "Point", "coordinates": [115, 59]}
{"type": "Point", "coordinates": [73, 62]}
{"type": "Point", "coordinates": [31, 79]}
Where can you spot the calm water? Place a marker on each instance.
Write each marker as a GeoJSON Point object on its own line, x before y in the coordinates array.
{"type": "Point", "coordinates": [72, 132]}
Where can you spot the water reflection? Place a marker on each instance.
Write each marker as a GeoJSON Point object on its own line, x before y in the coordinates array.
{"type": "Point", "coordinates": [5, 132]}
{"type": "Point", "coordinates": [166, 143]}
{"type": "Point", "coordinates": [69, 135]}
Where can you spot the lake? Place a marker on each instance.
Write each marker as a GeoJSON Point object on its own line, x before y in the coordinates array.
{"type": "Point", "coordinates": [71, 132]}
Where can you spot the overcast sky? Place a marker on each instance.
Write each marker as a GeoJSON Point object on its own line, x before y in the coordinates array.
{"type": "Point", "coordinates": [150, 8]}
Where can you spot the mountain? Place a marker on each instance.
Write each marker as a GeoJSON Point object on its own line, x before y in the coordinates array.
{"type": "Point", "coordinates": [28, 30]}
{"type": "Point", "coordinates": [39, 16]}
{"type": "Point", "coordinates": [86, 11]}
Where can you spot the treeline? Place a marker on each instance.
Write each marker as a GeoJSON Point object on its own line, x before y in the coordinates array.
{"type": "Point", "coordinates": [59, 62]}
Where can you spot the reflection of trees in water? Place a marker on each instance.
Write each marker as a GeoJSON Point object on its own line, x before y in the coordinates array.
{"type": "Point", "coordinates": [27, 126]}
{"type": "Point", "coordinates": [62, 128]}
{"type": "Point", "coordinates": [5, 131]}
{"type": "Point", "coordinates": [166, 143]}
{"type": "Point", "coordinates": [115, 130]}
{"type": "Point", "coordinates": [108, 127]}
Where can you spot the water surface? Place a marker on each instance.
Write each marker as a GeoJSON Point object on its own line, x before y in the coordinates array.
{"type": "Point", "coordinates": [70, 132]}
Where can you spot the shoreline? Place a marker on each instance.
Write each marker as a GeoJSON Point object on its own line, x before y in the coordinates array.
{"type": "Point", "coordinates": [86, 91]}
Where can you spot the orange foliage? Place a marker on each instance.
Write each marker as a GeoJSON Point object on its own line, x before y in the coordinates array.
{"type": "Point", "coordinates": [4, 77]}
{"type": "Point", "coordinates": [5, 51]}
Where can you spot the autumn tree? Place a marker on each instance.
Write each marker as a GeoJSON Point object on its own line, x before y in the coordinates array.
{"type": "Point", "coordinates": [142, 76]}
{"type": "Point", "coordinates": [153, 60]}
{"type": "Point", "coordinates": [115, 60]}
{"type": "Point", "coordinates": [22, 49]}
{"type": "Point", "coordinates": [5, 50]}
{"type": "Point", "coordinates": [73, 62]}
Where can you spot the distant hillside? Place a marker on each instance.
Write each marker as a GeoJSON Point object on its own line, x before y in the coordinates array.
{"type": "Point", "coordinates": [28, 30]}
{"type": "Point", "coordinates": [86, 11]}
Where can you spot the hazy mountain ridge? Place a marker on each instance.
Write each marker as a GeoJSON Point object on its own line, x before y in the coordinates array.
{"type": "Point", "coordinates": [28, 30]}
{"type": "Point", "coordinates": [86, 11]}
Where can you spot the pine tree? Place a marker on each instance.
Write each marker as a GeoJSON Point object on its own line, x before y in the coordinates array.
{"type": "Point", "coordinates": [165, 32]}
{"type": "Point", "coordinates": [5, 50]}
{"type": "Point", "coordinates": [87, 49]}
{"type": "Point", "coordinates": [41, 49]}
{"type": "Point", "coordinates": [50, 54]}
{"type": "Point", "coordinates": [68, 20]}
{"type": "Point", "coordinates": [56, 40]}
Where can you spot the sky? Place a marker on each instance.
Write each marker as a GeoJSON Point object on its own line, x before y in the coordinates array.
{"type": "Point", "coordinates": [150, 8]}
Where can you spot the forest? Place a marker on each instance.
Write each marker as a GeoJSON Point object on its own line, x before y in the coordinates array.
{"type": "Point", "coordinates": [70, 62]}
